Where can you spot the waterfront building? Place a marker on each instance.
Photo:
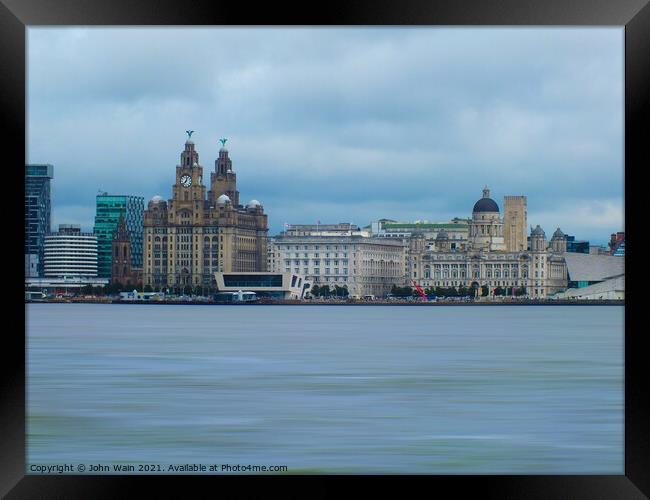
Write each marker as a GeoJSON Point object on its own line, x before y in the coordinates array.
{"type": "Point", "coordinates": [515, 222]}
{"type": "Point", "coordinates": [37, 215]}
{"type": "Point", "coordinates": [363, 264]}
{"type": "Point", "coordinates": [109, 209]}
{"type": "Point", "coordinates": [270, 284]}
{"type": "Point", "coordinates": [195, 234]}
{"type": "Point", "coordinates": [588, 269]}
{"type": "Point", "coordinates": [485, 259]}
{"type": "Point", "coordinates": [69, 252]}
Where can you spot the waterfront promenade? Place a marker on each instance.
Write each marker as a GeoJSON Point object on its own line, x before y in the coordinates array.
{"type": "Point", "coordinates": [381, 302]}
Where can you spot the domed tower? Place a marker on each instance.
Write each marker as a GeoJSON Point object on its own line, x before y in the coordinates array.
{"type": "Point", "coordinates": [223, 180]}
{"type": "Point", "coordinates": [558, 241]}
{"type": "Point", "coordinates": [189, 156]}
{"type": "Point", "coordinates": [442, 241]}
{"type": "Point", "coordinates": [156, 212]}
{"type": "Point", "coordinates": [254, 206]}
{"type": "Point", "coordinates": [224, 200]}
{"type": "Point", "coordinates": [538, 240]}
{"type": "Point", "coordinates": [486, 226]}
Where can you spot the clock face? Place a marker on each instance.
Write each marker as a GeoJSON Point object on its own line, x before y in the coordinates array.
{"type": "Point", "coordinates": [186, 181]}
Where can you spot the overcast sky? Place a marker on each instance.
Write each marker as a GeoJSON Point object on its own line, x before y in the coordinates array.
{"type": "Point", "coordinates": [338, 125]}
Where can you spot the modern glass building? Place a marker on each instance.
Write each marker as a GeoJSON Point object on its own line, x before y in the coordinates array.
{"type": "Point", "coordinates": [37, 215]}
{"type": "Point", "coordinates": [576, 246]}
{"type": "Point", "coordinates": [264, 284]}
{"type": "Point", "coordinates": [108, 211]}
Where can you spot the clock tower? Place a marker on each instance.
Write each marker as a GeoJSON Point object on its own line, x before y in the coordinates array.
{"type": "Point", "coordinates": [188, 192]}
{"type": "Point", "coordinates": [195, 234]}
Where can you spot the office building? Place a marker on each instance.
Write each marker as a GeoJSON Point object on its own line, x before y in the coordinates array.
{"type": "Point", "coordinates": [576, 246]}
{"type": "Point", "coordinates": [109, 208]}
{"type": "Point", "coordinates": [37, 215]}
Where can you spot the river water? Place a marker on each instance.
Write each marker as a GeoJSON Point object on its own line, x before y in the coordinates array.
{"type": "Point", "coordinates": [328, 389]}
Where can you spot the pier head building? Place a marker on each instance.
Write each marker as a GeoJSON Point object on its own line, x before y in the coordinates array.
{"type": "Point", "coordinates": [202, 230]}
{"type": "Point", "coordinates": [496, 254]}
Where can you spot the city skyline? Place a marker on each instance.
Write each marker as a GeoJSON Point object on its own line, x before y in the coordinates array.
{"type": "Point", "coordinates": [320, 126]}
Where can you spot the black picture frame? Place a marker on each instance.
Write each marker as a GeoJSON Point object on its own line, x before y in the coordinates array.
{"type": "Point", "coordinates": [634, 15]}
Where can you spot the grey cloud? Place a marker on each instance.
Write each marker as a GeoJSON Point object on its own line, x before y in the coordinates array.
{"type": "Point", "coordinates": [362, 122]}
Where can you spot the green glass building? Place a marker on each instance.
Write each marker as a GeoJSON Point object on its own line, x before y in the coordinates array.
{"type": "Point", "coordinates": [108, 211]}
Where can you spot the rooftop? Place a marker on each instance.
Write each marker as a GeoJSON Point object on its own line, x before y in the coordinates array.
{"type": "Point", "coordinates": [423, 225]}
{"type": "Point", "coordinates": [593, 267]}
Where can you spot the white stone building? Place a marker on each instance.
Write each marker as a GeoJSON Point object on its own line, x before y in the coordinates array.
{"type": "Point", "coordinates": [366, 266]}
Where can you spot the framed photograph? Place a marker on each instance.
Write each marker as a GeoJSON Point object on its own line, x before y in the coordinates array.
{"type": "Point", "coordinates": [380, 241]}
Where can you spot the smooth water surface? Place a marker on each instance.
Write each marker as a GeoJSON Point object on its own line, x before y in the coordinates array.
{"type": "Point", "coordinates": [329, 389]}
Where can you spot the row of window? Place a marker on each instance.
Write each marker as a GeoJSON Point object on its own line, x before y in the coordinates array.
{"type": "Point", "coordinates": [314, 247]}
{"type": "Point", "coordinates": [316, 262]}
{"type": "Point", "coordinates": [475, 274]}
{"type": "Point", "coordinates": [464, 283]}
{"type": "Point", "coordinates": [317, 255]}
